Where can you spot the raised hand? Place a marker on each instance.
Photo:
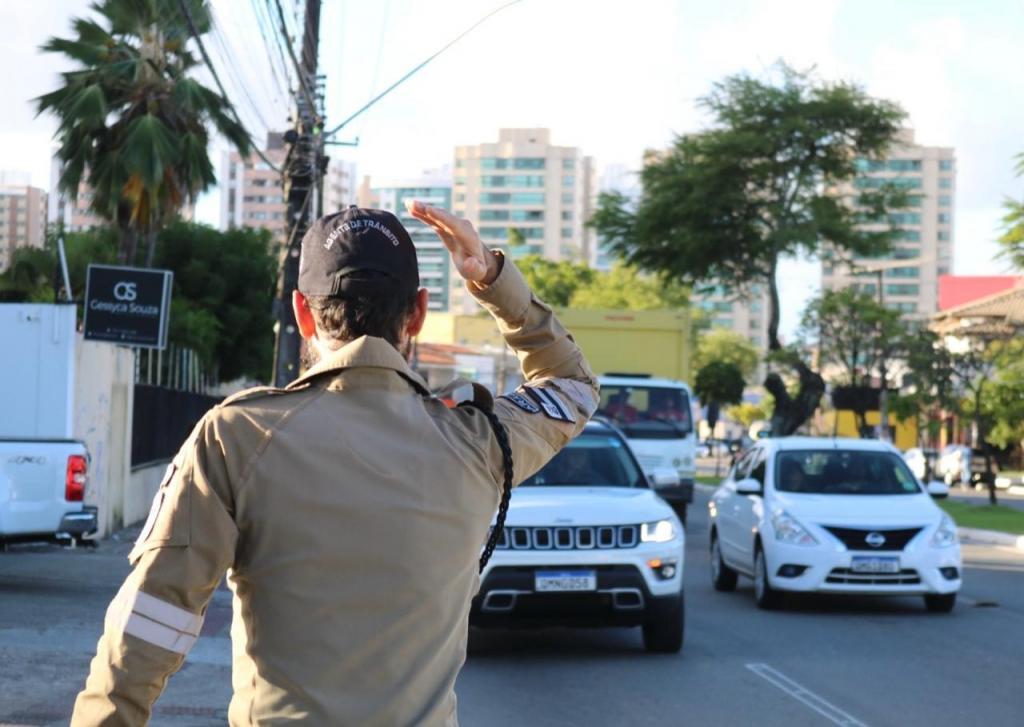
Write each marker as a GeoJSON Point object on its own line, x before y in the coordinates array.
{"type": "Point", "coordinates": [472, 259]}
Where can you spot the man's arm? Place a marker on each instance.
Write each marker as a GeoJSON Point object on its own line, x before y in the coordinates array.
{"type": "Point", "coordinates": [560, 393]}
{"type": "Point", "coordinates": [185, 547]}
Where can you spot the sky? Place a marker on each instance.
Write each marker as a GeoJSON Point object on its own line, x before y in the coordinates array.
{"type": "Point", "coordinates": [612, 78]}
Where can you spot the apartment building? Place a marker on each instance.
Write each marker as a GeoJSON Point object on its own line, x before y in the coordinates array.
{"type": "Point", "coordinates": [433, 187]}
{"type": "Point", "coordinates": [252, 194]}
{"type": "Point", "coordinates": [22, 215]}
{"type": "Point", "coordinates": [923, 249]}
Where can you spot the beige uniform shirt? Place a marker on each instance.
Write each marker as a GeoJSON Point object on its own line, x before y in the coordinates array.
{"type": "Point", "coordinates": [348, 512]}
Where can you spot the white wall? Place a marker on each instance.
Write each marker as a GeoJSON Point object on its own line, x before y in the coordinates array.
{"type": "Point", "coordinates": [103, 398]}
{"type": "Point", "coordinates": [36, 370]}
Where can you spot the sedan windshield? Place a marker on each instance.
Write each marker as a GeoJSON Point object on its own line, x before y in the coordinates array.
{"type": "Point", "coordinates": [843, 472]}
{"type": "Point", "coordinates": [590, 460]}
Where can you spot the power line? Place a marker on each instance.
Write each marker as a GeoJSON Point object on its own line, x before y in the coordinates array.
{"type": "Point", "coordinates": [303, 81]}
{"type": "Point", "coordinates": [282, 88]}
{"type": "Point", "coordinates": [441, 50]}
{"type": "Point", "coordinates": [213, 71]}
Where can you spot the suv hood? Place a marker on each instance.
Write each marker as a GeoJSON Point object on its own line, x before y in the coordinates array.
{"type": "Point", "coordinates": [859, 510]}
{"type": "Point", "coordinates": [551, 506]}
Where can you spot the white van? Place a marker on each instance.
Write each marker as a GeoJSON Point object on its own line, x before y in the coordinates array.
{"type": "Point", "coordinates": [656, 416]}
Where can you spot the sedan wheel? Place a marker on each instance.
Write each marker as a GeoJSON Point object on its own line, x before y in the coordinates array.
{"type": "Point", "coordinates": [766, 597]}
{"type": "Point", "coordinates": [723, 578]}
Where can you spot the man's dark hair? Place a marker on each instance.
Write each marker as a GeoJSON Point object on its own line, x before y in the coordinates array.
{"type": "Point", "coordinates": [346, 319]}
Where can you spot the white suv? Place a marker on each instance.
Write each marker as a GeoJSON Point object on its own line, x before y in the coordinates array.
{"type": "Point", "coordinates": [588, 543]}
{"type": "Point", "coordinates": [832, 515]}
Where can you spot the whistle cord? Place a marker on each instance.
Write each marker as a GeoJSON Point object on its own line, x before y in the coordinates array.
{"type": "Point", "coordinates": [500, 434]}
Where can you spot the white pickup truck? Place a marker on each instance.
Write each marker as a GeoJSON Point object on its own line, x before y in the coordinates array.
{"type": "Point", "coordinates": [42, 488]}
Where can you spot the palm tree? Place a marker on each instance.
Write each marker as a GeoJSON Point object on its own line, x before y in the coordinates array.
{"type": "Point", "coordinates": [133, 122]}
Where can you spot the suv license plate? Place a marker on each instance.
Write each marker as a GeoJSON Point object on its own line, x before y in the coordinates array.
{"type": "Point", "coordinates": [567, 580]}
{"type": "Point", "coordinates": [874, 564]}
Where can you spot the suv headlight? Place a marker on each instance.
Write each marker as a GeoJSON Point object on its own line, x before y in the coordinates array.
{"type": "Point", "coordinates": [788, 530]}
{"type": "Point", "coordinates": [660, 531]}
{"type": "Point", "coordinates": [945, 534]}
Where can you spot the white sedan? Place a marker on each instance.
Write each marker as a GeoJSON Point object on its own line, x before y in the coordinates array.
{"type": "Point", "coordinates": [832, 515]}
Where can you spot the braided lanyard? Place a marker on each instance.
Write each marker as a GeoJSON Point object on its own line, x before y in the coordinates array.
{"type": "Point", "coordinates": [500, 434]}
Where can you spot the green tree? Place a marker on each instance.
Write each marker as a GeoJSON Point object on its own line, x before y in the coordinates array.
{"type": "Point", "coordinates": [1004, 398]}
{"type": "Point", "coordinates": [723, 344]}
{"type": "Point", "coordinates": [554, 282]}
{"type": "Point", "coordinates": [718, 384]}
{"type": "Point", "coordinates": [747, 413]}
{"type": "Point", "coordinates": [1012, 239]}
{"type": "Point", "coordinates": [625, 288]}
{"type": "Point", "coordinates": [728, 203]}
{"type": "Point", "coordinates": [222, 297]}
{"type": "Point", "coordinates": [927, 388]}
{"type": "Point", "coordinates": [132, 121]}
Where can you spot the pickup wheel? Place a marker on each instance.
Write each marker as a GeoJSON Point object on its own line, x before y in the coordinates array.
{"type": "Point", "coordinates": [664, 626]}
{"type": "Point", "coordinates": [723, 578]}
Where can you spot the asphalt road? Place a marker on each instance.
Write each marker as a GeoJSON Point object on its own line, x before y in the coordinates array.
{"type": "Point", "coordinates": [821, 661]}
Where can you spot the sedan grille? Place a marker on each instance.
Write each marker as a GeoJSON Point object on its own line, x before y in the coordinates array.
{"type": "Point", "coordinates": [860, 539]}
{"type": "Point", "coordinates": [579, 537]}
{"type": "Point", "coordinates": [905, 577]}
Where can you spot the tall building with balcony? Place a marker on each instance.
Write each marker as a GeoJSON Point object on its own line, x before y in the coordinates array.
{"type": "Point", "coordinates": [524, 190]}
{"type": "Point", "coordinates": [22, 215]}
{"type": "Point", "coordinates": [252, 194]}
{"type": "Point", "coordinates": [434, 187]}
{"type": "Point", "coordinates": [925, 229]}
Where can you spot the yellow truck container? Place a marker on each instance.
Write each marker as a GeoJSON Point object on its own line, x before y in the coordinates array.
{"type": "Point", "coordinates": [657, 342]}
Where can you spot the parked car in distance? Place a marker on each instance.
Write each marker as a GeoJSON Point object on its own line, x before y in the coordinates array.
{"type": "Point", "coordinates": [922, 462]}
{"type": "Point", "coordinates": [42, 488]}
{"type": "Point", "coordinates": [802, 514]}
{"type": "Point", "coordinates": [587, 542]}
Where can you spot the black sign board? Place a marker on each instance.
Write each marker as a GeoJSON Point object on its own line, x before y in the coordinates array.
{"type": "Point", "coordinates": [129, 306]}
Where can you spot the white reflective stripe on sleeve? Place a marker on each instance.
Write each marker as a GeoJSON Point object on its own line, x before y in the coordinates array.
{"type": "Point", "coordinates": [153, 620]}
{"type": "Point", "coordinates": [167, 614]}
{"type": "Point", "coordinates": [580, 394]}
{"type": "Point", "coordinates": [158, 634]}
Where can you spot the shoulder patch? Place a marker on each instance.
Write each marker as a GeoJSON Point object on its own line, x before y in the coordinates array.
{"type": "Point", "coordinates": [521, 401]}
{"type": "Point", "coordinates": [550, 402]}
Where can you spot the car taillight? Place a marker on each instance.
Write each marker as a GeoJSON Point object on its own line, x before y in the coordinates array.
{"type": "Point", "coordinates": [74, 479]}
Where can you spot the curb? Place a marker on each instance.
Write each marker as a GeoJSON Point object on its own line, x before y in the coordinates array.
{"type": "Point", "coordinates": [991, 537]}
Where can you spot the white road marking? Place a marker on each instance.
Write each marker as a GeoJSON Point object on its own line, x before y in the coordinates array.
{"type": "Point", "coordinates": [819, 704]}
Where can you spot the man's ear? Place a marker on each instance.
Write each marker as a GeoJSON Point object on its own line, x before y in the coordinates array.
{"type": "Point", "coordinates": [419, 315]}
{"type": "Point", "coordinates": [303, 315]}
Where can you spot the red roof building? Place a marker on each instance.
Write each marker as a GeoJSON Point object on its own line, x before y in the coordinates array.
{"type": "Point", "coordinates": [957, 290]}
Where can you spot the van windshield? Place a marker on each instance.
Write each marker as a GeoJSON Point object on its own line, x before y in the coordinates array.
{"type": "Point", "coordinates": [647, 412]}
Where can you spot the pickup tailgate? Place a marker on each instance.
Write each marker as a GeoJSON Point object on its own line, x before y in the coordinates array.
{"type": "Point", "coordinates": [32, 484]}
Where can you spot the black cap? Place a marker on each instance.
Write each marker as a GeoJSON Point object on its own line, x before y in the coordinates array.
{"type": "Point", "coordinates": [358, 252]}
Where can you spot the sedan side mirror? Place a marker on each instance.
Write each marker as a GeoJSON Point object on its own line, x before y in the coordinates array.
{"type": "Point", "coordinates": [748, 486]}
{"type": "Point", "coordinates": [664, 477]}
{"type": "Point", "coordinates": [938, 489]}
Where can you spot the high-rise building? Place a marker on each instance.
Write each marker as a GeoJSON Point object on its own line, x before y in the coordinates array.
{"type": "Point", "coordinates": [252, 195]}
{"type": "Point", "coordinates": [434, 187]}
{"type": "Point", "coordinates": [745, 314]}
{"type": "Point", "coordinates": [524, 183]}
{"type": "Point", "coordinates": [925, 237]}
{"type": "Point", "coordinates": [22, 215]}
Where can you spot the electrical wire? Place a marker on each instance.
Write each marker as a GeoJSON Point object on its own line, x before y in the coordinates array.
{"type": "Point", "coordinates": [303, 81]}
{"type": "Point", "coordinates": [261, 23]}
{"type": "Point", "coordinates": [213, 71]}
{"type": "Point", "coordinates": [438, 52]}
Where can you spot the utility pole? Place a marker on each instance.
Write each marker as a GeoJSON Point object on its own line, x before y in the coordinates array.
{"type": "Point", "coordinates": [303, 177]}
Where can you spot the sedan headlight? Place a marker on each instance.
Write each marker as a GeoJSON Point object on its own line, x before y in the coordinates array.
{"type": "Point", "coordinates": [945, 534]}
{"type": "Point", "coordinates": [660, 531]}
{"type": "Point", "coordinates": [788, 530]}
